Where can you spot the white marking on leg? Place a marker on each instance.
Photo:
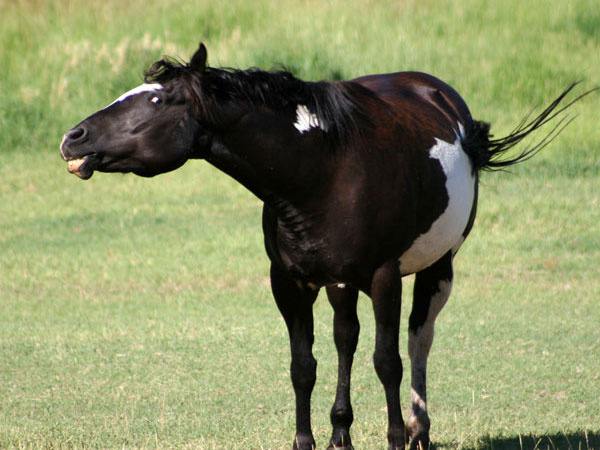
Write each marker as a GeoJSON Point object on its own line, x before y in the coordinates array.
{"type": "Point", "coordinates": [305, 120]}
{"type": "Point", "coordinates": [416, 399]}
{"type": "Point", "coordinates": [446, 231]}
{"type": "Point", "coordinates": [146, 87]}
{"type": "Point", "coordinates": [419, 345]}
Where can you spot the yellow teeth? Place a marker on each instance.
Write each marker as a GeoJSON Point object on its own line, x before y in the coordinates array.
{"type": "Point", "coordinates": [74, 164]}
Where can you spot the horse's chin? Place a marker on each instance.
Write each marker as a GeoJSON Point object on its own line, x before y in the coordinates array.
{"type": "Point", "coordinates": [84, 175]}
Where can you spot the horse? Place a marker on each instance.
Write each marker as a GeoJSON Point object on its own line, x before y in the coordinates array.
{"type": "Point", "coordinates": [363, 182]}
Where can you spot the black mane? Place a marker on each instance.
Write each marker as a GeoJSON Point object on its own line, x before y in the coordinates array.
{"type": "Point", "coordinates": [339, 106]}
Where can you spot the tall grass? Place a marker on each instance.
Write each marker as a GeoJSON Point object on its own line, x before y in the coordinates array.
{"type": "Point", "coordinates": [136, 313]}
{"type": "Point", "coordinates": [64, 58]}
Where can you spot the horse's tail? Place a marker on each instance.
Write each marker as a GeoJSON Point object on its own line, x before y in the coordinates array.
{"type": "Point", "coordinates": [487, 153]}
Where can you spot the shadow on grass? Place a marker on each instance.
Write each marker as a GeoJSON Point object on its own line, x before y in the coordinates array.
{"type": "Point", "coordinates": [584, 440]}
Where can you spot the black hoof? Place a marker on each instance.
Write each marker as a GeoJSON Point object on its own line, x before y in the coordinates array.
{"type": "Point", "coordinates": [420, 442]}
{"type": "Point", "coordinates": [340, 447]}
{"type": "Point", "coordinates": [304, 443]}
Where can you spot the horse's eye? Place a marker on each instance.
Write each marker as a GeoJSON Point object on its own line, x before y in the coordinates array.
{"type": "Point", "coordinates": [156, 100]}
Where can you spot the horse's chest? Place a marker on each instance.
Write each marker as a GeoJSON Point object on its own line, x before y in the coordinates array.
{"type": "Point", "coordinates": [446, 231]}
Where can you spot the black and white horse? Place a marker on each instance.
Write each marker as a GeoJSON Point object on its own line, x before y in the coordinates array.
{"type": "Point", "coordinates": [363, 182]}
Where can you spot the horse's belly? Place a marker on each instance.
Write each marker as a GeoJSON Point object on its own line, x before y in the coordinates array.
{"type": "Point", "coordinates": [447, 230]}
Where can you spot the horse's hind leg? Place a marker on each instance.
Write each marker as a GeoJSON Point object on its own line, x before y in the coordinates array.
{"type": "Point", "coordinates": [345, 333]}
{"type": "Point", "coordinates": [431, 291]}
{"type": "Point", "coordinates": [386, 291]}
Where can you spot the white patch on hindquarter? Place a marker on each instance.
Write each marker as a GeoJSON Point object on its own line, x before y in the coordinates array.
{"type": "Point", "coordinates": [446, 232]}
{"type": "Point", "coordinates": [146, 87]}
{"type": "Point", "coordinates": [305, 120]}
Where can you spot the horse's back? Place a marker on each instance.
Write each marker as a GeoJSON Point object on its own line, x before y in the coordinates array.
{"type": "Point", "coordinates": [411, 93]}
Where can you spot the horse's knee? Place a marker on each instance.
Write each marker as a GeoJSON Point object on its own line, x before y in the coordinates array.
{"type": "Point", "coordinates": [388, 367]}
{"type": "Point", "coordinates": [304, 372]}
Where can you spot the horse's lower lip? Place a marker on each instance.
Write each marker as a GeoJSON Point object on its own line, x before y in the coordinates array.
{"type": "Point", "coordinates": [80, 167]}
{"type": "Point", "coordinates": [75, 164]}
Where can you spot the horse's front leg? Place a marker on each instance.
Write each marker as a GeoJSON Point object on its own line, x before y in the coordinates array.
{"type": "Point", "coordinates": [345, 333]}
{"type": "Point", "coordinates": [386, 291]}
{"type": "Point", "coordinates": [295, 305]}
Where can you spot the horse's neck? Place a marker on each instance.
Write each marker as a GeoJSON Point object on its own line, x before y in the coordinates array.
{"type": "Point", "coordinates": [272, 159]}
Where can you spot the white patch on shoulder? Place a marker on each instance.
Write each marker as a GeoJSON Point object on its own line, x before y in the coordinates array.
{"type": "Point", "coordinates": [446, 232]}
{"type": "Point", "coordinates": [305, 120]}
{"type": "Point", "coordinates": [146, 87]}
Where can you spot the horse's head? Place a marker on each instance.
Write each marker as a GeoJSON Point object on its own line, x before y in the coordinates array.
{"type": "Point", "coordinates": [149, 130]}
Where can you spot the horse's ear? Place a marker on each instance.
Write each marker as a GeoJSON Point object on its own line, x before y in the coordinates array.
{"type": "Point", "coordinates": [198, 61]}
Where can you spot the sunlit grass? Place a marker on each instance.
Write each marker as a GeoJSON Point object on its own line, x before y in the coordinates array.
{"type": "Point", "coordinates": [136, 313]}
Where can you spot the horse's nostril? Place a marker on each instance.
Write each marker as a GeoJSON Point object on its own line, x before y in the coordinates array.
{"type": "Point", "coordinates": [77, 134]}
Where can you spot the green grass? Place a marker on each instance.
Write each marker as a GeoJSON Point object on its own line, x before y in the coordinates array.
{"type": "Point", "coordinates": [136, 313]}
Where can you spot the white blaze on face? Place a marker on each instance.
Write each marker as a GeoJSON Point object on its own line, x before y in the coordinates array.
{"type": "Point", "coordinates": [446, 232]}
{"type": "Point", "coordinates": [305, 120]}
{"type": "Point", "coordinates": [146, 87]}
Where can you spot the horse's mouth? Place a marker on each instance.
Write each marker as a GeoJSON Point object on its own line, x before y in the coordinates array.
{"type": "Point", "coordinates": [81, 167]}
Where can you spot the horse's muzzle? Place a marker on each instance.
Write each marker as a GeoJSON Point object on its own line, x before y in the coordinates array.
{"type": "Point", "coordinates": [77, 165]}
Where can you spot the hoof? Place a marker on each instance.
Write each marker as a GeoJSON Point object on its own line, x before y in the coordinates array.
{"type": "Point", "coordinates": [304, 446]}
{"type": "Point", "coordinates": [418, 432]}
{"type": "Point", "coordinates": [340, 439]}
{"type": "Point", "coordinates": [304, 442]}
{"type": "Point", "coordinates": [420, 442]}
{"type": "Point", "coordinates": [340, 447]}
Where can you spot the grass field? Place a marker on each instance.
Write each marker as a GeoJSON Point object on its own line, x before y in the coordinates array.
{"type": "Point", "coordinates": [136, 313]}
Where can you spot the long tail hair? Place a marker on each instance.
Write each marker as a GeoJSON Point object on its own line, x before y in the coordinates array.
{"type": "Point", "coordinates": [490, 154]}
